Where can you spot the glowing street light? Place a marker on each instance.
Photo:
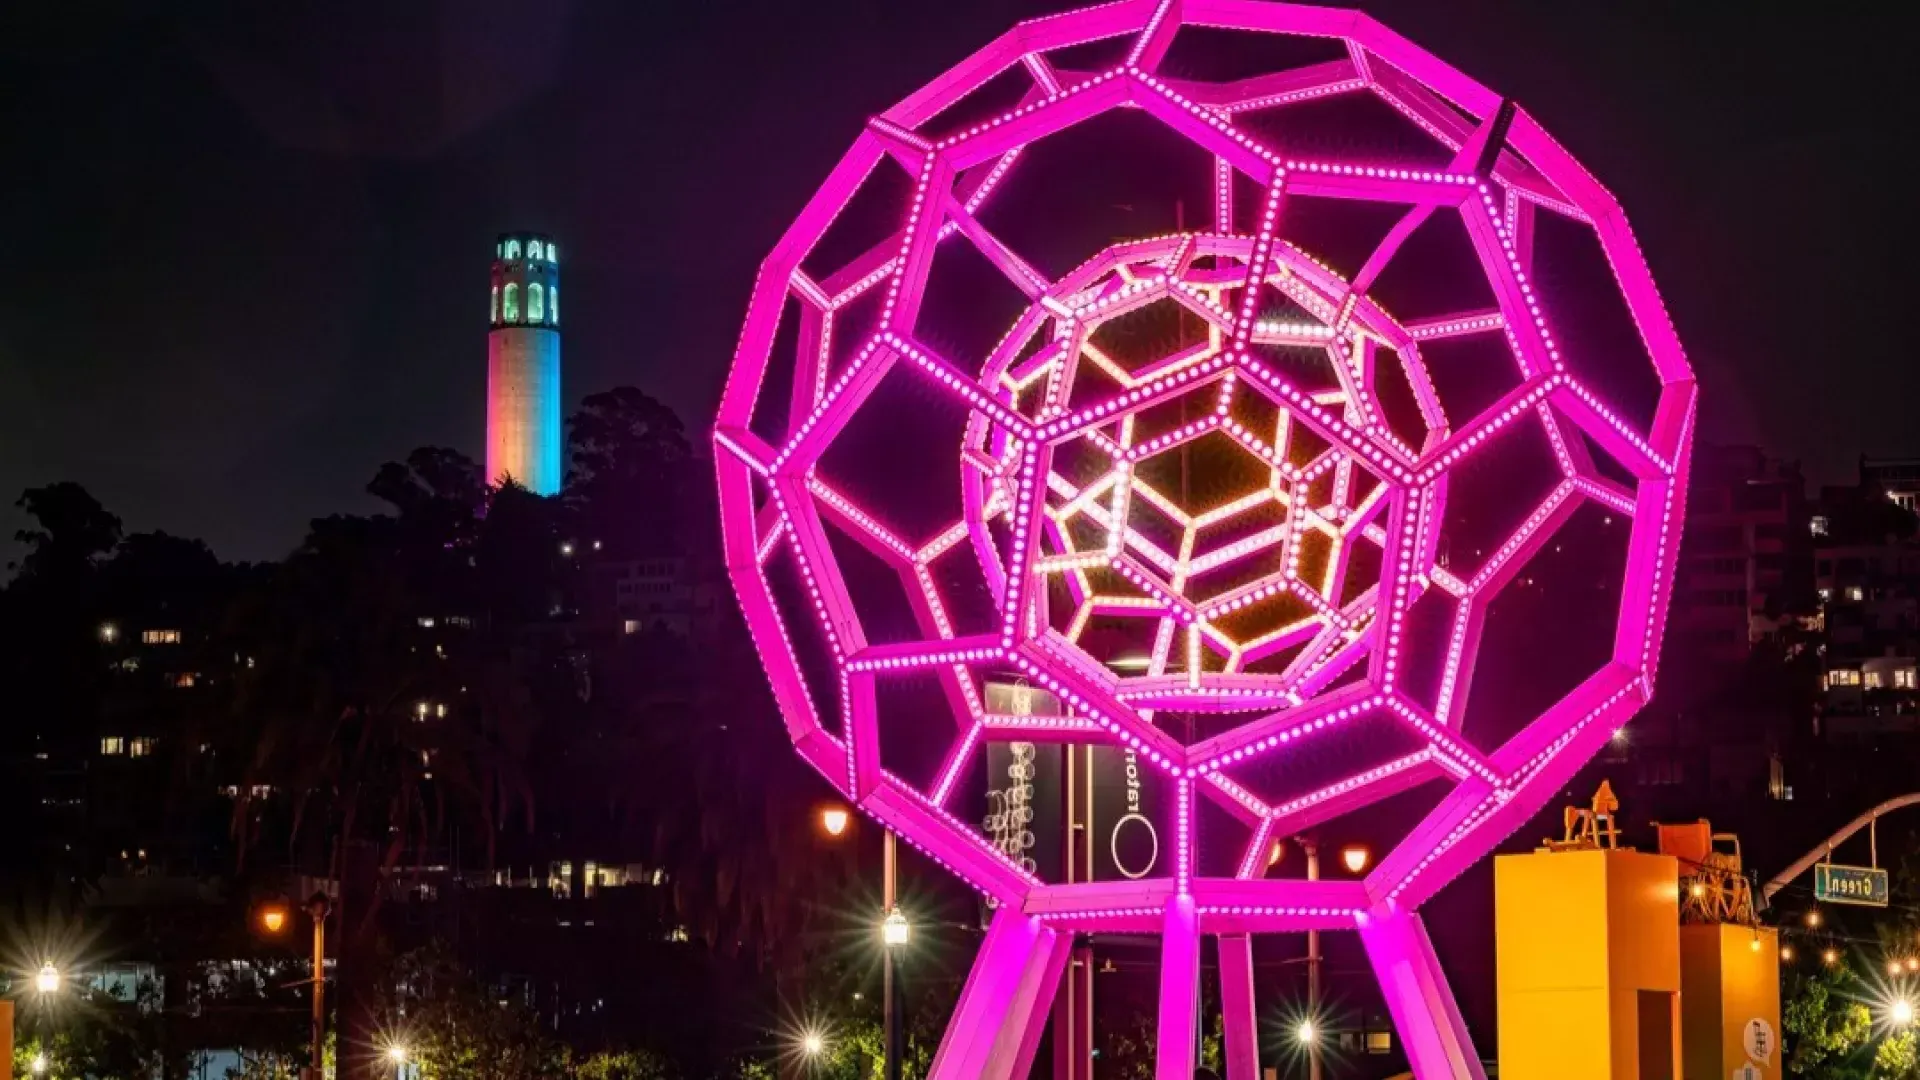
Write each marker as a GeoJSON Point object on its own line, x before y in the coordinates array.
{"type": "Point", "coordinates": [1830, 957]}
{"type": "Point", "coordinates": [39, 1064]}
{"type": "Point", "coordinates": [835, 820]}
{"type": "Point", "coordinates": [397, 1054]}
{"type": "Point", "coordinates": [812, 1045]}
{"type": "Point", "coordinates": [895, 931]}
{"type": "Point", "coordinates": [273, 918]}
{"type": "Point", "coordinates": [1786, 953]}
{"type": "Point", "coordinates": [1306, 1034]}
{"type": "Point", "coordinates": [47, 979]}
{"type": "Point", "coordinates": [1900, 1012]}
{"type": "Point", "coordinates": [1813, 920]}
{"type": "Point", "coordinates": [1893, 967]}
{"type": "Point", "coordinates": [1355, 857]}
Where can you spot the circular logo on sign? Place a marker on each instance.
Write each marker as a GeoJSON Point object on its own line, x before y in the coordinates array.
{"type": "Point", "coordinates": [1142, 848]}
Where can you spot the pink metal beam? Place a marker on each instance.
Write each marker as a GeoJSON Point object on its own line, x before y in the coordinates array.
{"type": "Point", "coordinates": [1238, 1016]}
{"type": "Point", "coordinates": [1004, 1001]}
{"type": "Point", "coordinates": [1179, 990]}
{"type": "Point", "coordinates": [1432, 1034]}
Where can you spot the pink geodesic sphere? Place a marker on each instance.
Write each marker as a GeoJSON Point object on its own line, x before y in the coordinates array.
{"type": "Point", "coordinates": [1223, 493]}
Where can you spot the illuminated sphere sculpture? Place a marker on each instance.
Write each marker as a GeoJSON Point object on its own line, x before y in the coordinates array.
{"type": "Point", "coordinates": [1240, 498]}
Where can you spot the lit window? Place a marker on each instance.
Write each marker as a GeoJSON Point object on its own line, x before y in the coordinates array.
{"type": "Point", "coordinates": [1875, 681]}
{"type": "Point", "coordinates": [1826, 595]}
{"type": "Point", "coordinates": [141, 746]}
{"type": "Point", "coordinates": [630, 626]}
{"type": "Point", "coordinates": [113, 744]}
{"type": "Point", "coordinates": [553, 254]}
{"type": "Point", "coordinates": [1856, 593]}
{"type": "Point", "coordinates": [1843, 677]}
{"type": "Point", "coordinates": [425, 622]}
{"type": "Point", "coordinates": [185, 679]}
{"type": "Point", "coordinates": [160, 637]}
{"type": "Point", "coordinates": [1903, 679]}
{"type": "Point", "coordinates": [553, 304]}
{"type": "Point", "coordinates": [1818, 524]}
{"type": "Point", "coordinates": [493, 304]}
{"type": "Point", "coordinates": [533, 249]}
{"type": "Point", "coordinates": [1379, 1042]}
{"type": "Point", "coordinates": [536, 302]}
{"type": "Point", "coordinates": [510, 311]}
{"type": "Point", "coordinates": [513, 249]}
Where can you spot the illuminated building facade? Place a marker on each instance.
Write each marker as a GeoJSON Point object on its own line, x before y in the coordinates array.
{"type": "Point", "coordinates": [523, 364]}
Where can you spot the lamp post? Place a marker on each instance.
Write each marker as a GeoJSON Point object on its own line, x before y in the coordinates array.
{"type": "Point", "coordinates": [47, 979]}
{"type": "Point", "coordinates": [274, 918]}
{"type": "Point", "coordinates": [317, 907]}
{"type": "Point", "coordinates": [397, 1054]}
{"type": "Point", "coordinates": [895, 933]}
{"type": "Point", "coordinates": [1307, 1033]}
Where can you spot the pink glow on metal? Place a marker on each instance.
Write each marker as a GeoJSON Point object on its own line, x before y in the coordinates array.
{"type": "Point", "coordinates": [1056, 501]}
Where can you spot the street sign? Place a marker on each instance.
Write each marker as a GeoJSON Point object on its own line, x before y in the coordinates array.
{"type": "Point", "coordinates": [1849, 885]}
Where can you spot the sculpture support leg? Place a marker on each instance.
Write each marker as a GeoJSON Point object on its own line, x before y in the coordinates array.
{"type": "Point", "coordinates": [1236, 1007]}
{"type": "Point", "coordinates": [1424, 1012]}
{"type": "Point", "coordinates": [1003, 1007]}
{"type": "Point", "coordinates": [1073, 1018]}
{"type": "Point", "coordinates": [1179, 990]}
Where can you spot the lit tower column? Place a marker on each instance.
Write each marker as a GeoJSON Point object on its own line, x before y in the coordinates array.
{"type": "Point", "coordinates": [523, 364]}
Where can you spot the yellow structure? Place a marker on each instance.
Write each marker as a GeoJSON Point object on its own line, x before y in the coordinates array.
{"type": "Point", "coordinates": [1730, 1001]}
{"type": "Point", "coordinates": [1588, 965]}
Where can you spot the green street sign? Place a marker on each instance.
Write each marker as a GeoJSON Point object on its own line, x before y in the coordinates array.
{"type": "Point", "coordinates": [1849, 885]}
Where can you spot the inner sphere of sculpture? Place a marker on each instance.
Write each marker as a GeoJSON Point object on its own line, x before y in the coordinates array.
{"type": "Point", "coordinates": [1007, 456]}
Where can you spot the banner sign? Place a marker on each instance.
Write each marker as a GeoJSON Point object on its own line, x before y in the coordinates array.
{"type": "Point", "coordinates": [1025, 790]}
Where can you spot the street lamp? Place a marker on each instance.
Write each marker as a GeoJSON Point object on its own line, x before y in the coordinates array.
{"type": "Point", "coordinates": [1355, 858]}
{"type": "Point", "coordinates": [39, 1064]}
{"type": "Point", "coordinates": [47, 979]}
{"type": "Point", "coordinates": [1306, 1034]}
{"type": "Point", "coordinates": [1901, 1013]}
{"type": "Point", "coordinates": [812, 1045]}
{"type": "Point", "coordinates": [895, 933]}
{"type": "Point", "coordinates": [835, 819]}
{"type": "Point", "coordinates": [895, 930]}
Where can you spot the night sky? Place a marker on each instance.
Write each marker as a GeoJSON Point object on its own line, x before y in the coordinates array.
{"type": "Point", "coordinates": [247, 245]}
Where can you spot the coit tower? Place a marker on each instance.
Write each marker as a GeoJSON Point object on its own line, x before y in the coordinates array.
{"type": "Point", "coordinates": [523, 364]}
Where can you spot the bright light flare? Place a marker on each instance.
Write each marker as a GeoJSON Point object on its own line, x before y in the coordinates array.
{"type": "Point", "coordinates": [1355, 858]}
{"type": "Point", "coordinates": [895, 930]}
{"type": "Point", "coordinates": [47, 980]}
{"type": "Point", "coordinates": [1306, 1034]}
{"type": "Point", "coordinates": [835, 819]}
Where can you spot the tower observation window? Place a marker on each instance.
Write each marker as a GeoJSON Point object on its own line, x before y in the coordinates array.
{"type": "Point", "coordinates": [512, 311]}
{"type": "Point", "coordinates": [533, 249]}
{"type": "Point", "coordinates": [536, 303]}
{"type": "Point", "coordinates": [513, 249]}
